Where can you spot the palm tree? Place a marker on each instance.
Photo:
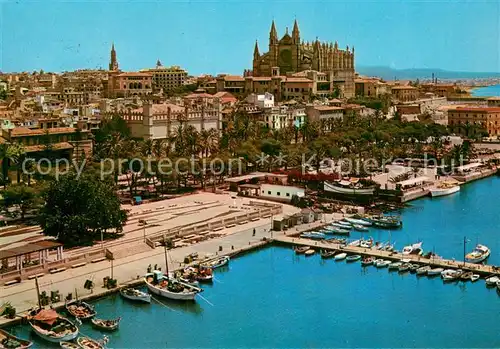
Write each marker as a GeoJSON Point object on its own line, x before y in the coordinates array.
{"type": "Point", "coordinates": [9, 153]}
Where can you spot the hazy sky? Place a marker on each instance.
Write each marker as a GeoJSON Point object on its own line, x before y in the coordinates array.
{"type": "Point", "coordinates": [219, 36]}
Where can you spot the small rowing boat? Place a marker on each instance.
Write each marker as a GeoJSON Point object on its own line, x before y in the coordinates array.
{"type": "Point", "coordinates": [435, 271]}
{"type": "Point", "coordinates": [326, 254]}
{"type": "Point", "coordinates": [106, 325]}
{"type": "Point", "coordinates": [403, 268]}
{"type": "Point", "coordinates": [475, 277]}
{"type": "Point", "coordinates": [354, 221]}
{"type": "Point", "coordinates": [414, 267]}
{"type": "Point", "coordinates": [52, 327]}
{"type": "Point", "coordinates": [382, 263]}
{"type": "Point", "coordinates": [69, 345]}
{"type": "Point", "coordinates": [309, 252]}
{"type": "Point", "coordinates": [492, 280]}
{"type": "Point", "coordinates": [394, 265]}
{"type": "Point", "coordinates": [301, 249]}
{"type": "Point", "coordinates": [353, 258]}
{"type": "Point", "coordinates": [367, 261]}
{"type": "Point", "coordinates": [80, 310]}
{"type": "Point", "coordinates": [135, 295]}
{"type": "Point", "coordinates": [89, 343]}
{"type": "Point", "coordinates": [9, 341]}
{"type": "Point", "coordinates": [359, 227]}
{"type": "Point", "coordinates": [423, 270]}
{"type": "Point", "coordinates": [340, 256]}
{"type": "Point", "coordinates": [217, 263]}
{"type": "Point", "coordinates": [466, 276]}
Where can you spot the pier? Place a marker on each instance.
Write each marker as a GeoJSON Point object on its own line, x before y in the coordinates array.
{"type": "Point", "coordinates": [483, 270]}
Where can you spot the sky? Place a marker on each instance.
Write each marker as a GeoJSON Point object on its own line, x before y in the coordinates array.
{"type": "Point", "coordinates": [219, 36]}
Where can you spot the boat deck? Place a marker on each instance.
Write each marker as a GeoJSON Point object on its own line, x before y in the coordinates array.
{"type": "Point", "coordinates": [483, 270]}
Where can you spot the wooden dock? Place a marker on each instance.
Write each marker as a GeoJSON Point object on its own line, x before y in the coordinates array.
{"type": "Point", "coordinates": [483, 270]}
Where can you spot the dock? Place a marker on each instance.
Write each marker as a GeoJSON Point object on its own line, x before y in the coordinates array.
{"type": "Point", "coordinates": [483, 270]}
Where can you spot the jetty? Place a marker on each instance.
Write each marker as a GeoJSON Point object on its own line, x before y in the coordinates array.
{"type": "Point", "coordinates": [483, 270]}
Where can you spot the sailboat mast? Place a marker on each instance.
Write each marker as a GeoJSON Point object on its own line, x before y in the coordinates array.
{"type": "Point", "coordinates": [165, 250]}
{"type": "Point", "coordinates": [38, 293]}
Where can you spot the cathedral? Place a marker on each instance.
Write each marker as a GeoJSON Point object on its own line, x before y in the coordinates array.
{"type": "Point", "coordinates": [290, 55]}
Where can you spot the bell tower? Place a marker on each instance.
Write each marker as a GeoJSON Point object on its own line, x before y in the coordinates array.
{"type": "Point", "coordinates": [273, 45]}
{"type": "Point", "coordinates": [113, 63]}
{"type": "Point", "coordinates": [296, 47]}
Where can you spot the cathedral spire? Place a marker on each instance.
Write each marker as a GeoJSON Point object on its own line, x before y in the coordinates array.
{"type": "Point", "coordinates": [113, 63]}
{"type": "Point", "coordinates": [256, 53]}
{"type": "Point", "coordinates": [296, 32]}
{"type": "Point", "coordinates": [273, 35]}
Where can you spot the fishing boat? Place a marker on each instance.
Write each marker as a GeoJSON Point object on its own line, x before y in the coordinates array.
{"type": "Point", "coordinates": [186, 278]}
{"type": "Point", "coordinates": [204, 274]}
{"type": "Point", "coordinates": [394, 265]}
{"type": "Point", "coordinates": [366, 243]}
{"type": "Point", "coordinates": [340, 256]}
{"type": "Point", "coordinates": [414, 249]}
{"type": "Point", "coordinates": [367, 261]}
{"type": "Point", "coordinates": [309, 252]}
{"type": "Point", "coordinates": [479, 254]}
{"type": "Point", "coordinates": [349, 188]}
{"type": "Point", "coordinates": [355, 243]}
{"type": "Point", "coordinates": [135, 295]}
{"type": "Point", "coordinates": [69, 345]}
{"type": "Point", "coordinates": [89, 343]}
{"type": "Point", "coordinates": [382, 263]}
{"type": "Point", "coordinates": [466, 276]}
{"type": "Point", "coordinates": [359, 227]}
{"type": "Point", "coordinates": [404, 267]}
{"type": "Point", "coordinates": [164, 286]}
{"type": "Point", "coordinates": [341, 226]}
{"type": "Point", "coordinates": [423, 270]}
{"type": "Point", "coordinates": [449, 275]}
{"type": "Point", "coordinates": [388, 222]}
{"type": "Point", "coordinates": [9, 341]}
{"type": "Point", "coordinates": [52, 327]}
{"type": "Point", "coordinates": [326, 254]}
{"type": "Point", "coordinates": [80, 309]}
{"type": "Point", "coordinates": [444, 188]}
{"type": "Point", "coordinates": [358, 221]}
{"type": "Point", "coordinates": [492, 280]}
{"type": "Point", "coordinates": [217, 263]}
{"type": "Point", "coordinates": [353, 258]}
{"type": "Point", "coordinates": [313, 235]}
{"type": "Point", "coordinates": [106, 325]}
{"type": "Point", "coordinates": [344, 223]}
{"type": "Point", "coordinates": [414, 267]}
{"type": "Point", "coordinates": [435, 271]}
{"type": "Point", "coordinates": [301, 249]}
{"type": "Point", "coordinates": [340, 231]}
{"type": "Point", "coordinates": [475, 277]}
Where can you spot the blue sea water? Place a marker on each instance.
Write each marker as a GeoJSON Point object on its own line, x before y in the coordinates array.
{"type": "Point", "coordinates": [274, 298]}
{"type": "Point", "coordinates": [493, 90]}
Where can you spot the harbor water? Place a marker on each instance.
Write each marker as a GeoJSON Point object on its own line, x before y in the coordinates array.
{"type": "Point", "coordinates": [487, 91]}
{"type": "Point", "coordinates": [274, 298]}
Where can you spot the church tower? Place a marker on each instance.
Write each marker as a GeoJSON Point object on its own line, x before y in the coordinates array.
{"type": "Point", "coordinates": [256, 58]}
{"type": "Point", "coordinates": [113, 63]}
{"type": "Point", "coordinates": [273, 45]}
{"type": "Point", "coordinates": [296, 47]}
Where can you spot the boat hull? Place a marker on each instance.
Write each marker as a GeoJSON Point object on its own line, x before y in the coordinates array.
{"type": "Point", "coordinates": [66, 338]}
{"type": "Point", "coordinates": [145, 298]}
{"type": "Point", "coordinates": [348, 191]}
{"type": "Point", "coordinates": [443, 192]}
{"type": "Point", "coordinates": [180, 296]}
{"type": "Point", "coordinates": [24, 344]}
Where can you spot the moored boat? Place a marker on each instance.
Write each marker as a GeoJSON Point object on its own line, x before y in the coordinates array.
{"type": "Point", "coordinates": [80, 309]}
{"type": "Point", "coordinates": [394, 265]}
{"type": "Point", "coordinates": [313, 235]}
{"type": "Point", "coordinates": [388, 222]}
{"type": "Point", "coordinates": [450, 275]}
{"type": "Point", "coordinates": [301, 249]}
{"type": "Point", "coordinates": [135, 295]}
{"type": "Point", "coordinates": [339, 231]}
{"type": "Point", "coordinates": [326, 254]}
{"type": "Point", "coordinates": [492, 280]}
{"type": "Point", "coordinates": [414, 267]}
{"type": "Point", "coordinates": [52, 327]}
{"type": "Point", "coordinates": [217, 262]}
{"type": "Point", "coordinates": [106, 325]}
{"type": "Point", "coordinates": [366, 243]}
{"type": "Point", "coordinates": [404, 267]}
{"type": "Point", "coordinates": [361, 222]}
{"type": "Point", "coordinates": [309, 252]}
{"type": "Point", "coordinates": [382, 263]}
{"type": "Point", "coordinates": [475, 277]}
{"type": "Point", "coordinates": [414, 249]}
{"type": "Point", "coordinates": [340, 256]}
{"type": "Point", "coordinates": [164, 286]}
{"type": "Point", "coordinates": [359, 227]}
{"type": "Point", "coordinates": [444, 189]}
{"type": "Point", "coordinates": [353, 258]}
{"type": "Point", "coordinates": [466, 276]}
{"type": "Point", "coordinates": [479, 254]}
{"type": "Point", "coordinates": [69, 345]}
{"type": "Point", "coordinates": [367, 261]}
{"type": "Point", "coordinates": [423, 270]}
{"type": "Point", "coordinates": [435, 271]}
{"type": "Point", "coordinates": [9, 341]}
{"type": "Point", "coordinates": [349, 188]}
{"type": "Point", "coordinates": [89, 343]}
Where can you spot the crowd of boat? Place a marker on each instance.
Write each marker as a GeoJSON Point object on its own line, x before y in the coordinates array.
{"type": "Point", "coordinates": [405, 264]}
{"type": "Point", "coordinates": [53, 327]}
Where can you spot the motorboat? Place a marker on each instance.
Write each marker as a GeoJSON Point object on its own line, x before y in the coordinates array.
{"type": "Point", "coordinates": [466, 276]}
{"type": "Point", "coordinates": [9, 341]}
{"type": "Point", "coordinates": [353, 258]}
{"type": "Point", "coordinates": [382, 263]}
{"type": "Point", "coordinates": [449, 275]}
{"type": "Point", "coordinates": [366, 243]}
{"type": "Point", "coordinates": [349, 188]}
{"type": "Point", "coordinates": [164, 286]}
{"type": "Point", "coordinates": [475, 277]}
{"type": "Point", "coordinates": [394, 265]}
{"type": "Point", "coordinates": [313, 235]}
{"type": "Point", "coordinates": [367, 261]}
{"type": "Point", "coordinates": [478, 255]}
{"type": "Point", "coordinates": [89, 343]}
{"type": "Point", "coordinates": [326, 254]}
{"type": "Point", "coordinates": [356, 221]}
{"type": "Point", "coordinates": [309, 252]}
{"type": "Point", "coordinates": [301, 249]}
{"type": "Point", "coordinates": [435, 271]}
{"type": "Point", "coordinates": [341, 225]}
{"type": "Point", "coordinates": [423, 270]}
{"type": "Point", "coordinates": [217, 262]}
{"type": "Point", "coordinates": [404, 267]}
{"type": "Point", "coordinates": [135, 295]}
{"type": "Point", "coordinates": [52, 327]}
{"type": "Point", "coordinates": [414, 249]}
{"type": "Point", "coordinates": [340, 256]}
{"type": "Point", "coordinates": [492, 280]}
{"type": "Point", "coordinates": [359, 227]}
{"type": "Point", "coordinates": [444, 188]}
{"type": "Point", "coordinates": [340, 231]}
{"type": "Point", "coordinates": [355, 243]}
{"type": "Point", "coordinates": [80, 309]}
{"type": "Point", "coordinates": [106, 325]}
{"type": "Point", "coordinates": [387, 222]}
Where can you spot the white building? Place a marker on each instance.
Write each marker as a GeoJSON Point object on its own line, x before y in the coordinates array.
{"type": "Point", "coordinates": [262, 101]}
{"type": "Point", "coordinates": [283, 116]}
{"type": "Point", "coordinates": [280, 192]}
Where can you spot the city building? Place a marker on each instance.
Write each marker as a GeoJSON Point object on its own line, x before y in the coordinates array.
{"type": "Point", "coordinates": [463, 119]}
{"type": "Point", "coordinates": [367, 87]}
{"type": "Point", "coordinates": [405, 93]}
{"type": "Point", "coordinates": [290, 55]}
{"type": "Point", "coordinates": [128, 84]}
{"type": "Point", "coordinates": [167, 78]}
{"type": "Point", "coordinates": [263, 101]}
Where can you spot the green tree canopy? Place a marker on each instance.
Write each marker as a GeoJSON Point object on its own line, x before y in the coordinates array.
{"type": "Point", "coordinates": [21, 196]}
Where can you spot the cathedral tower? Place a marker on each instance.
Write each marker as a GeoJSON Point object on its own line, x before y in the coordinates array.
{"type": "Point", "coordinates": [273, 45]}
{"type": "Point", "coordinates": [113, 63]}
{"type": "Point", "coordinates": [296, 46]}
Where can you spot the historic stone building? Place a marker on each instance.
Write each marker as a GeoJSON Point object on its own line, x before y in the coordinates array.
{"type": "Point", "coordinates": [290, 55]}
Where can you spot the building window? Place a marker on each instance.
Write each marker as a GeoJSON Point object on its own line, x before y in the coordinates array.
{"type": "Point", "coordinates": [278, 193]}
{"type": "Point", "coordinates": [269, 192]}
{"type": "Point", "coordinates": [287, 194]}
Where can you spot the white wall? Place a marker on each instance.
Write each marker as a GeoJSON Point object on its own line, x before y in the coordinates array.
{"type": "Point", "coordinates": [285, 192]}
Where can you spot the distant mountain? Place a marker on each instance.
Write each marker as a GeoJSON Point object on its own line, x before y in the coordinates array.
{"type": "Point", "coordinates": [388, 73]}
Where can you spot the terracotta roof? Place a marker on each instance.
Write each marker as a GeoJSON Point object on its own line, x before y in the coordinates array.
{"type": "Point", "coordinates": [24, 131]}
{"type": "Point", "coordinates": [476, 110]}
{"type": "Point", "coordinates": [41, 147]}
{"type": "Point", "coordinates": [162, 108]}
{"type": "Point", "coordinates": [135, 74]}
{"type": "Point", "coordinates": [262, 78]}
{"type": "Point", "coordinates": [199, 95]}
{"type": "Point", "coordinates": [403, 87]}
{"type": "Point", "coordinates": [495, 98]}
{"type": "Point", "coordinates": [327, 107]}
{"type": "Point", "coordinates": [298, 80]}
{"type": "Point", "coordinates": [233, 78]}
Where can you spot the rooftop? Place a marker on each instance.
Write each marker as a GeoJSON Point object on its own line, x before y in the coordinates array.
{"type": "Point", "coordinates": [24, 131]}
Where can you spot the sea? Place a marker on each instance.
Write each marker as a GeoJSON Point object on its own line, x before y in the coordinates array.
{"type": "Point", "coordinates": [274, 298]}
{"type": "Point", "coordinates": [488, 91]}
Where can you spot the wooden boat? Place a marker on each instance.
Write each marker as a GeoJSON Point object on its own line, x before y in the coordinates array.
{"type": "Point", "coordinates": [313, 235]}
{"type": "Point", "coordinates": [387, 222]}
{"type": "Point", "coordinates": [342, 225]}
{"type": "Point", "coordinates": [414, 249]}
{"type": "Point", "coordinates": [80, 310]}
{"type": "Point", "coordinates": [449, 275]}
{"type": "Point", "coordinates": [340, 256]}
{"type": "Point", "coordinates": [167, 287]}
{"type": "Point", "coordinates": [348, 188]}
{"type": "Point", "coordinates": [52, 327]}
{"type": "Point", "coordinates": [367, 261]}
{"type": "Point", "coordinates": [414, 267]}
{"type": "Point", "coordinates": [394, 265]}
{"type": "Point", "coordinates": [353, 258]}
{"type": "Point", "coordinates": [403, 268]}
{"type": "Point", "coordinates": [435, 271]}
{"type": "Point", "coordinates": [69, 345]}
{"type": "Point", "coordinates": [106, 325]}
{"type": "Point", "coordinates": [359, 227]}
{"type": "Point", "coordinates": [217, 263]}
{"type": "Point", "coordinates": [492, 280]}
{"type": "Point", "coordinates": [382, 263]}
{"type": "Point", "coordinates": [200, 273]}
{"type": "Point", "coordinates": [9, 341]}
{"type": "Point", "coordinates": [301, 249]}
{"type": "Point", "coordinates": [89, 343]}
{"type": "Point", "coordinates": [475, 277]}
{"type": "Point", "coordinates": [309, 252]}
{"type": "Point", "coordinates": [466, 276]}
{"type": "Point", "coordinates": [423, 270]}
{"type": "Point", "coordinates": [361, 222]}
{"type": "Point", "coordinates": [326, 254]}
{"type": "Point", "coordinates": [339, 231]}
{"type": "Point", "coordinates": [135, 295]}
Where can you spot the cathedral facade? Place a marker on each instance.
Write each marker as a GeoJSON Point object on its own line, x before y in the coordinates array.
{"type": "Point", "coordinates": [290, 55]}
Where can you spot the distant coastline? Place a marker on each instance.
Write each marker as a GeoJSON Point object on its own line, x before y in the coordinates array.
{"type": "Point", "coordinates": [487, 91]}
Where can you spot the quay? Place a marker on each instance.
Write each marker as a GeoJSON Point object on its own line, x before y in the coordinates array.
{"type": "Point", "coordinates": [483, 270]}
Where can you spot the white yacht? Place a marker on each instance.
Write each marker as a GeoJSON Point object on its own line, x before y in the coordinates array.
{"type": "Point", "coordinates": [445, 189]}
{"type": "Point", "coordinates": [479, 254]}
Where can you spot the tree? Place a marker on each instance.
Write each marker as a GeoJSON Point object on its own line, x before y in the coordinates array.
{"type": "Point", "coordinates": [77, 211]}
{"type": "Point", "coordinates": [22, 196]}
